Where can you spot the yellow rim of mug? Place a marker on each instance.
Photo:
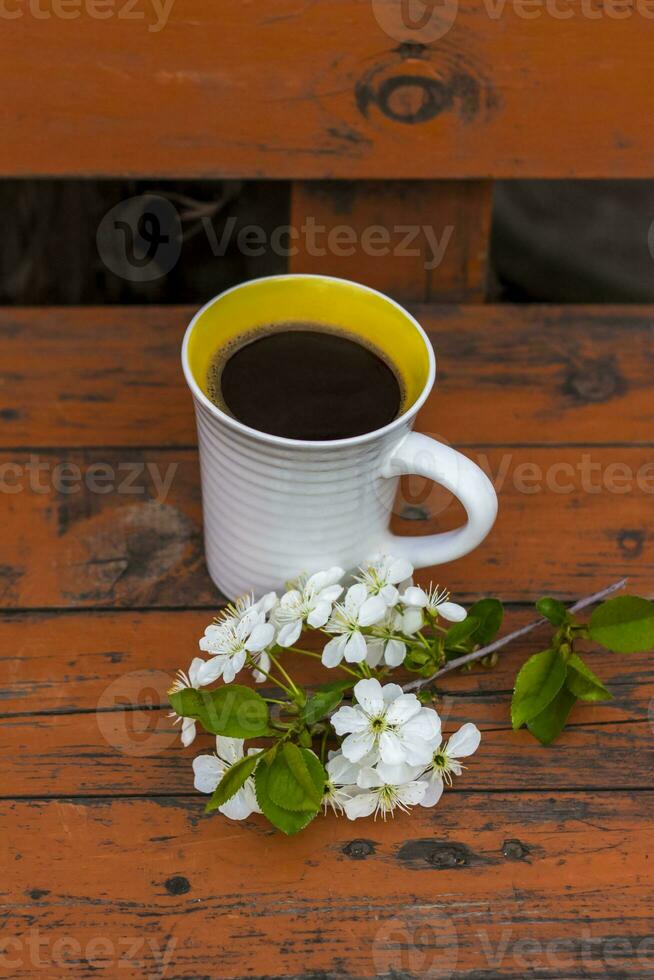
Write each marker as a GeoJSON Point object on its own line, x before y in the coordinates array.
{"type": "Point", "coordinates": [358, 309]}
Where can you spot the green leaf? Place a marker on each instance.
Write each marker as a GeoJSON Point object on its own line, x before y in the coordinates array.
{"type": "Point", "coordinates": [324, 699]}
{"type": "Point", "coordinates": [297, 779]}
{"type": "Point", "coordinates": [584, 683]}
{"type": "Point", "coordinates": [289, 821]}
{"type": "Point", "coordinates": [231, 710]}
{"type": "Point", "coordinates": [460, 632]}
{"type": "Point", "coordinates": [234, 778]}
{"type": "Point", "coordinates": [553, 610]}
{"type": "Point", "coordinates": [624, 624]}
{"type": "Point", "coordinates": [489, 614]}
{"type": "Point", "coordinates": [537, 684]}
{"type": "Point", "coordinates": [547, 725]}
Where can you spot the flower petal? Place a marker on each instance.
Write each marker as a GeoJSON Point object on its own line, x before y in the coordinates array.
{"type": "Point", "coordinates": [390, 692]}
{"type": "Point", "coordinates": [426, 724]}
{"type": "Point", "coordinates": [451, 611]}
{"type": "Point", "coordinates": [389, 594]}
{"type": "Point", "coordinates": [411, 621]}
{"type": "Point", "coordinates": [375, 652]}
{"type": "Point", "coordinates": [319, 614]}
{"type": "Point", "coordinates": [464, 742]}
{"type": "Point", "coordinates": [402, 709]}
{"type": "Point", "coordinates": [196, 664]}
{"type": "Point", "coordinates": [354, 597]}
{"type": "Point", "coordinates": [208, 771]}
{"type": "Point", "coordinates": [355, 648]}
{"type": "Point", "coordinates": [261, 636]}
{"type": "Point", "coordinates": [414, 596]}
{"type": "Point", "coordinates": [188, 732]}
{"type": "Point", "coordinates": [333, 651]}
{"type": "Point", "coordinates": [330, 594]}
{"type": "Point", "coordinates": [341, 771]}
{"type": "Point", "coordinates": [229, 749]}
{"type": "Point", "coordinates": [369, 778]}
{"type": "Point", "coordinates": [412, 793]}
{"type": "Point", "coordinates": [371, 611]}
{"type": "Point", "coordinates": [348, 719]}
{"type": "Point", "coordinates": [391, 749]}
{"type": "Point", "coordinates": [399, 569]}
{"type": "Point", "coordinates": [417, 752]}
{"type": "Point", "coordinates": [357, 745]}
{"type": "Point", "coordinates": [434, 790]}
{"type": "Point", "coordinates": [361, 805]}
{"type": "Point", "coordinates": [289, 633]}
{"type": "Point", "coordinates": [211, 670]}
{"type": "Point", "coordinates": [394, 653]}
{"type": "Point", "coordinates": [370, 696]}
{"type": "Point", "coordinates": [239, 807]}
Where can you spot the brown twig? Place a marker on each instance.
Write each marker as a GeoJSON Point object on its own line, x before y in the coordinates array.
{"type": "Point", "coordinates": [498, 644]}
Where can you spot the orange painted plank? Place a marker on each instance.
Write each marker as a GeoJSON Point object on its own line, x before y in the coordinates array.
{"type": "Point", "coordinates": [140, 544]}
{"type": "Point", "coordinates": [418, 241]}
{"type": "Point", "coordinates": [547, 375]}
{"type": "Point", "coordinates": [326, 89]}
{"type": "Point", "coordinates": [112, 659]}
{"type": "Point", "coordinates": [507, 885]}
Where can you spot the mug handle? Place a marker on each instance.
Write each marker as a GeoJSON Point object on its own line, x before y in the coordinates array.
{"type": "Point", "coordinates": [421, 456]}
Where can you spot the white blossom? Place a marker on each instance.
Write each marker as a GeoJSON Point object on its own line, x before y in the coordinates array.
{"type": "Point", "coordinates": [381, 577]}
{"type": "Point", "coordinates": [385, 643]}
{"type": "Point", "coordinates": [388, 724]}
{"type": "Point", "coordinates": [349, 618]}
{"type": "Point", "coordinates": [384, 790]}
{"type": "Point", "coordinates": [341, 782]}
{"type": "Point", "coordinates": [230, 642]}
{"type": "Point", "coordinates": [435, 601]}
{"type": "Point", "coordinates": [310, 601]}
{"type": "Point", "coordinates": [185, 681]}
{"type": "Point", "coordinates": [210, 769]}
{"type": "Point", "coordinates": [445, 761]}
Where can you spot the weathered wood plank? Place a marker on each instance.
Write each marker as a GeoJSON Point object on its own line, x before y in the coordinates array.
{"type": "Point", "coordinates": [417, 241]}
{"type": "Point", "coordinates": [399, 99]}
{"type": "Point", "coordinates": [137, 752]}
{"type": "Point", "coordinates": [482, 888]}
{"type": "Point", "coordinates": [122, 527]}
{"type": "Point", "coordinates": [109, 660]}
{"type": "Point", "coordinates": [111, 376]}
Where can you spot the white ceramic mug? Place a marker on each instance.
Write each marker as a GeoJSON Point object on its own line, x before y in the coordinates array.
{"type": "Point", "coordinates": [276, 507]}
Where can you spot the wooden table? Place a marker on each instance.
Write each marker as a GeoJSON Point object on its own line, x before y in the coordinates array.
{"type": "Point", "coordinates": [535, 864]}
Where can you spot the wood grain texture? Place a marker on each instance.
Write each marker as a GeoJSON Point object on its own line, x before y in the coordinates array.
{"type": "Point", "coordinates": [326, 89]}
{"type": "Point", "coordinates": [137, 541]}
{"type": "Point", "coordinates": [506, 374]}
{"type": "Point", "coordinates": [119, 659]}
{"type": "Point", "coordinates": [536, 884]}
{"type": "Point", "coordinates": [535, 864]}
{"type": "Point", "coordinates": [418, 241]}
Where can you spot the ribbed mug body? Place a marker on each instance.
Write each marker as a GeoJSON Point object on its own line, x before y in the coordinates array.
{"type": "Point", "coordinates": [274, 511]}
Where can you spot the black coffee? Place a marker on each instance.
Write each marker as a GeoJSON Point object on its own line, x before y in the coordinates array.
{"type": "Point", "coordinates": [305, 381]}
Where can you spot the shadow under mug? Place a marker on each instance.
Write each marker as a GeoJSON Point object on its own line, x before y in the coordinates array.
{"type": "Point", "coordinates": [274, 507]}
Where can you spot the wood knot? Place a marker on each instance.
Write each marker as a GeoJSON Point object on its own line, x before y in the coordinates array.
{"type": "Point", "coordinates": [442, 856]}
{"type": "Point", "coordinates": [359, 849]}
{"type": "Point", "coordinates": [631, 543]}
{"type": "Point", "coordinates": [416, 85]}
{"type": "Point", "coordinates": [595, 381]}
{"type": "Point", "coordinates": [515, 850]}
{"type": "Point", "coordinates": [177, 885]}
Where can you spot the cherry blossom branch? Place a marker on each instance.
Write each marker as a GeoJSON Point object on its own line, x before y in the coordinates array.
{"type": "Point", "coordinates": [498, 644]}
